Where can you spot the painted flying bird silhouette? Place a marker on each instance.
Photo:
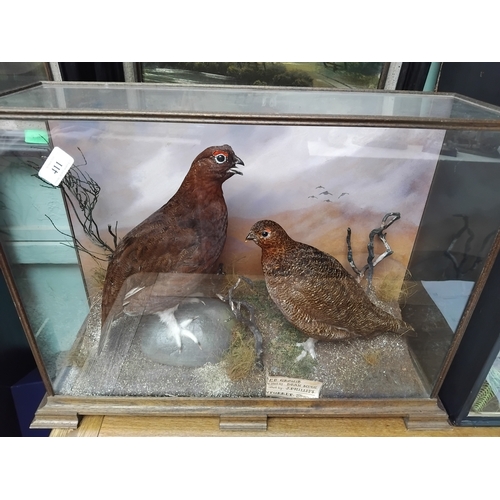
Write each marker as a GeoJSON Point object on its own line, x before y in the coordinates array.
{"type": "Point", "coordinates": [325, 192]}
{"type": "Point", "coordinates": [315, 293]}
{"type": "Point", "coordinates": [327, 201]}
{"type": "Point", "coordinates": [320, 187]}
{"type": "Point", "coordinates": [342, 194]}
{"type": "Point", "coordinates": [313, 197]}
{"type": "Point", "coordinates": [185, 236]}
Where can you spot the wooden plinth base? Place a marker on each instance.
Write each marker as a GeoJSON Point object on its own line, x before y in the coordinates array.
{"type": "Point", "coordinates": [65, 412]}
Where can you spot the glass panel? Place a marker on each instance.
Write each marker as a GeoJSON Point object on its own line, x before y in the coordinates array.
{"type": "Point", "coordinates": [339, 75]}
{"type": "Point", "coordinates": [455, 235]}
{"type": "Point", "coordinates": [36, 237]}
{"type": "Point", "coordinates": [250, 101]}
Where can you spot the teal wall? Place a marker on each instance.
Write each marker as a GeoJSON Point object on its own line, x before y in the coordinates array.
{"type": "Point", "coordinates": [42, 260]}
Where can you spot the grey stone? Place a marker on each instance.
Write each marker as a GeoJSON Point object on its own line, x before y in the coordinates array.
{"type": "Point", "coordinates": [212, 325]}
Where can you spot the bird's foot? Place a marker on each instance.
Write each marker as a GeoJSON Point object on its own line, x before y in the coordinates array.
{"type": "Point", "coordinates": [307, 348]}
{"type": "Point", "coordinates": [177, 329]}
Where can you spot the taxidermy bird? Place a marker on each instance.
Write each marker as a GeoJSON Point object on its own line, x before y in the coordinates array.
{"type": "Point", "coordinates": [315, 293]}
{"type": "Point", "coordinates": [186, 235]}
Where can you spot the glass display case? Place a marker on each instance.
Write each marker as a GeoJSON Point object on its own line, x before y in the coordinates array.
{"type": "Point", "coordinates": [471, 390]}
{"type": "Point", "coordinates": [138, 281]}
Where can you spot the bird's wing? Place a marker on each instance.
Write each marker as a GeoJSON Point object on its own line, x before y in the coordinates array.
{"type": "Point", "coordinates": [326, 299]}
{"type": "Point", "coordinates": [168, 290]}
{"type": "Point", "coordinates": [323, 290]}
{"type": "Point", "coordinates": [145, 249]}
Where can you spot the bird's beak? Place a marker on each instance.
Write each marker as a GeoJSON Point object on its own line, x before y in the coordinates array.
{"type": "Point", "coordinates": [234, 170]}
{"type": "Point", "coordinates": [250, 236]}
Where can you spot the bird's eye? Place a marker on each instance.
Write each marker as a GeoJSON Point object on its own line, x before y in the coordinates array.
{"type": "Point", "coordinates": [265, 234]}
{"type": "Point", "coordinates": [220, 158]}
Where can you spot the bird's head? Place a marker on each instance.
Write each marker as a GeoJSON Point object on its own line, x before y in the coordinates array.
{"type": "Point", "coordinates": [267, 234]}
{"type": "Point", "coordinates": [217, 162]}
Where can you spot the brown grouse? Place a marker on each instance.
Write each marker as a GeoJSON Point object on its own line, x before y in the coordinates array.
{"type": "Point", "coordinates": [186, 235]}
{"type": "Point", "coordinates": [314, 292]}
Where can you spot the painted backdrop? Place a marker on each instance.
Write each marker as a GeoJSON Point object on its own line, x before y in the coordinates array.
{"type": "Point", "coordinates": [314, 181]}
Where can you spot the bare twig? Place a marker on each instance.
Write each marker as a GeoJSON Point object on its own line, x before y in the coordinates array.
{"type": "Point", "coordinates": [387, 221]}
{"type": "Point", "coordinates": [77, 186]}
{"type": "Point", "coordinates": [86, 193]}
{"type": "Point", "coordinates": [460, 267]}
{"type": "Point", "coordinates": [114, 233]}
{"type": "Point", "coordinates": [349, 255]}
{"type": "Point", "coordinates": [77, 244]}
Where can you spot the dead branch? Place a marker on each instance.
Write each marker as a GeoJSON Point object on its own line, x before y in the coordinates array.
{"type": "Point", "coordinates": [387, 221]}
{"type": "Point", "coordinates": [460, 268]}
{"type": "Point", "coordinates": [78, 186]}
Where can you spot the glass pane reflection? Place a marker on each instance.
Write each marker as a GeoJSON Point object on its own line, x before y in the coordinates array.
{"type": "Point", "coordinates": [249, 101]}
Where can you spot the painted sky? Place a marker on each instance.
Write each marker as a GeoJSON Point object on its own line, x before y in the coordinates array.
{"type": "Point", "coordinates": [140, 165]}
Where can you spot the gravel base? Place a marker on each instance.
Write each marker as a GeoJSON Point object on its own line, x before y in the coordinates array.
{"type": "Point", "coordinates": [380, 367]}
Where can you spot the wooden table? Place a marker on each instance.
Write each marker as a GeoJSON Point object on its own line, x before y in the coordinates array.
{"type": "Point", "coordinates": [106, 426]}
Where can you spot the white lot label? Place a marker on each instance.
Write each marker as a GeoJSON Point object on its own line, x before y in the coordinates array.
{"type": "Point", "coordinates": [285, 387]}
{"type": "Point", "coordinates": [56, 166]}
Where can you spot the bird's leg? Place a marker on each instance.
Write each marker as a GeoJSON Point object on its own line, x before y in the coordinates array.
{"type": "Point", "coordinates": [307, 348]}
{"type": "Point", "coordinates": [175, 329]}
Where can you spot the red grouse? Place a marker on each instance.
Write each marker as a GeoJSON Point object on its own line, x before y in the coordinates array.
{"type": "Point", "coordinates": [314, 292]}
{"type": "Point", "coordinates": [186, 235]}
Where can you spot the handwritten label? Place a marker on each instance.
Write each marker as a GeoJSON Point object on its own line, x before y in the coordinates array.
{"type": "Point", "coordinates": [56, 166]}
{"type": "Point", "coordinates": [285, 387]}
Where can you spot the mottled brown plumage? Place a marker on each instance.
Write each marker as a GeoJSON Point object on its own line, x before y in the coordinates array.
{"type": "Point", "coordinates": [314, 292]}
{"type": "Point", "coordinates": [186, 235]}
